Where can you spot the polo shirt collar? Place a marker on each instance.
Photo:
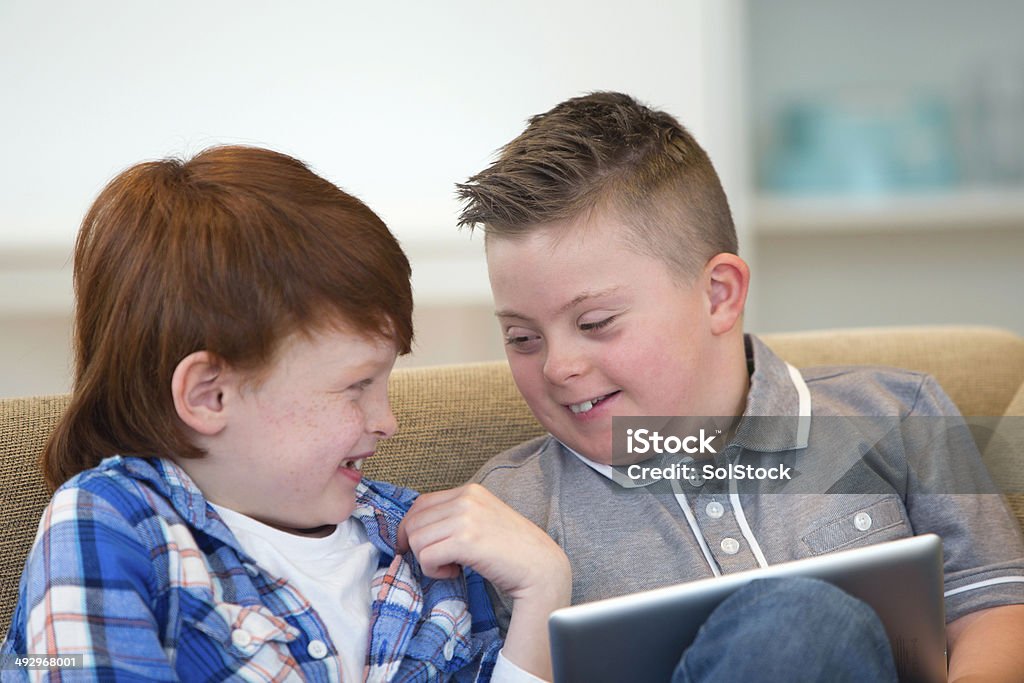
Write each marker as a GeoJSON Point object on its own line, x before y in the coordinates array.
{"type": "Point", "coordinates": [609, 472]}
{"type": "Point", "coordinates": [778, 412]}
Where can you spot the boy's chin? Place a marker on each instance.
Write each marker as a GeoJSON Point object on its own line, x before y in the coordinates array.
{"type": "Point", "coordinates": [325, 519]}
{"type": "Point", "coordinates": [314, 528]}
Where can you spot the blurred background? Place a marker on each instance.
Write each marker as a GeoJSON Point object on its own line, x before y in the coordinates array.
{"type": "Point", "coordinates": [873, 152]}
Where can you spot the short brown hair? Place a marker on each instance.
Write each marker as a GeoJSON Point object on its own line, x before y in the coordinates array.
{"type": "Point", "coordinates": [603, 151]}
{"type": "Point", "coordinates": [230, 252]}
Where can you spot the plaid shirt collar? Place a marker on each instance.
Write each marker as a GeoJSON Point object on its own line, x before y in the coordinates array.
{"type": "Point", "coordinates": [421, 628]}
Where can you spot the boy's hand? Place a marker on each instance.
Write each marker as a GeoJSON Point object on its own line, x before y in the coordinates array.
{"type": "Point", "coordinates": [471, 526]}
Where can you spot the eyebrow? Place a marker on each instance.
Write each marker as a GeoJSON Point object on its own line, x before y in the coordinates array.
{"type": "Point", "coordinates": [576, 300]}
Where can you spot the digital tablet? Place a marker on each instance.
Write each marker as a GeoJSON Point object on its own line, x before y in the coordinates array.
{"type": "Point", "coordinates": [641, 637]}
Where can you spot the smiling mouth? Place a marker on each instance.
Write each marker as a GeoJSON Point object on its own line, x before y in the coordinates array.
{"type": "Point", "coordinates": [587, 406]}
{"type": "Point", "coordinates": [353, 464]}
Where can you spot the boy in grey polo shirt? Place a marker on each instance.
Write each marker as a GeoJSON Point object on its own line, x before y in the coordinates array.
{"type": "Point", "coordinates": [613, 262]}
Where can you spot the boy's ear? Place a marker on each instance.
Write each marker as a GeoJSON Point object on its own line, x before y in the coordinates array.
{"type": "Point", "coordinates": [197, 386]}
{"type": "Point", "coordinates": [727, 278]}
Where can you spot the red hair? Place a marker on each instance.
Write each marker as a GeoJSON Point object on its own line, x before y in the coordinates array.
{"type": "Point", "coordinates": [230, 252]}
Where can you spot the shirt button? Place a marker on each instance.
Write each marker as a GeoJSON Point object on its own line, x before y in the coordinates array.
{"type": "Point", "coordinates": [240, 637]}
{"type": "Point", "coordinates": [449, 650]}
{"type": "Point", "coordinates": [316, 649]}
{"type": "Point", "coordinates": [715, 509]}
{"type": "Point", "coordinates": [253, 570]}
{"type": "Point", "coordinates": [730, 546]}
{"type": "Point", "coordinates": [862, 521]}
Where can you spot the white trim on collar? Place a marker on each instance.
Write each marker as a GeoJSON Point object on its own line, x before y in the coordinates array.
{"type": "Point", "coordinates": [803, 428]}
{"type": "Point", "coordinates": [680, 497]}
{"type": "Point", "coordinates": [606, 470]}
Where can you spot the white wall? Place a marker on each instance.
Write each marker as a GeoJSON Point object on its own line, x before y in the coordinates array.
{"type": "Point", "coordinates": [393, 101]}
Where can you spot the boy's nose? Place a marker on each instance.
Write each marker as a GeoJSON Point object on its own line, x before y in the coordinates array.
{"type": "Point", "coordinates": [383, 422]}
{"type": "Point", "coordinates": [564, 361]}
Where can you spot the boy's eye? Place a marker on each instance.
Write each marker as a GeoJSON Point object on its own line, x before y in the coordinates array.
{"type": "Point", "coordinates": [521, 340]}
{"type": "Point", "coordinates": [597, 324]}
{"type": "Point", "coordinates": [359, 386]}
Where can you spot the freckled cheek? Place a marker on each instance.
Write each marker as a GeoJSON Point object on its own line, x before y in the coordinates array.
{"type": "Point", "coordinates": [313, 427]}
{"type": "Point", "coordinates": [341, 433]}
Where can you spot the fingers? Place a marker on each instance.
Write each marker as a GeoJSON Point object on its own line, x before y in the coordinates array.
{"type": "Point", "coordinates": [446, 505]}
{"type": "Point", "coordinates": [402, 539]}
{"type": "Point", "coordinates": [423, 546]}
{"type": "Point", "coordinates": [446, 529]}
{"type": "Point", "coordinates": [436, 560]}
{"type": "Point", "coordinates": [472, 527]}
{"type": "Point", "coordinates": [418, 515]}
{"type": "Point", "coordinates": [453, 509]}
{"type": "Point", "coordinates": [425, 500]}
{"type": "Point", "coordinates": [442, 537]}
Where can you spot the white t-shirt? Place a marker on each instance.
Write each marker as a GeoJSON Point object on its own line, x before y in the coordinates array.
{"type": "Point", "coordinates": [334, 573]}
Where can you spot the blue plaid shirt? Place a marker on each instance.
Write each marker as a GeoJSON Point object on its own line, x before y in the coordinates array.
{"type": "Point", "coordinates": [134, 570]}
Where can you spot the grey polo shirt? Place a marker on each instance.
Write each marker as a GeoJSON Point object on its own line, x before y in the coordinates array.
{"type": "Point", "coordinates": [876, 461]}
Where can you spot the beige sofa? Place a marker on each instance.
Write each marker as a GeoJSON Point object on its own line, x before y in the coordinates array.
{"type": "Point", "coordinates": [453, 418]}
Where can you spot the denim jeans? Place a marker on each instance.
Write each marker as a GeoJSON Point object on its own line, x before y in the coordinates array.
{"type": "Point", "coordinates": [789, 630]}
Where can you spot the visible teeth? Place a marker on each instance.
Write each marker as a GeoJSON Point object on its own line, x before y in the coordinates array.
{"type": "Point", "coordinates": [581, 407]}
{"type": "Point", "coordinates": [353, 464]}
{"type": "Point", "coordinates": [587, 405]}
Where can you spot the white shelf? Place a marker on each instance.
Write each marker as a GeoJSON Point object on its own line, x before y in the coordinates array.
{"type": "Point", "coordinates": [957, 210]}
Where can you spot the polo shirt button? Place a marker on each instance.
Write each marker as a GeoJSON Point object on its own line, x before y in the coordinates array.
{"type": "Point", "coordinates": [862, 521]}
{"type": "Point", "coordinates": [730, 546]}
{"type": "Point", "coordinates": [715, 509]}
{"type": "Point", "coordinates": [449, 650]}
{"type": "Point", "coordinates": [240, 637]}
{"type": "Point", "coordinates": [252, 570]}
{"type": "Point", "coordinates": [316, 649]}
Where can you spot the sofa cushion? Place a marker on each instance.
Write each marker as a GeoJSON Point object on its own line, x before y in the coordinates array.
{"type": "Point", "coordinates": [453, 418]}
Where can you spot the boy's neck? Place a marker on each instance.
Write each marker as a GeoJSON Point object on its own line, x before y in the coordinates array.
{"type": "Point", "coordinates": [737, 369]}
{"type": "Point", "coordinates": [322, 531]}
{"type": "Point", "coordinates": [315, 532]}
